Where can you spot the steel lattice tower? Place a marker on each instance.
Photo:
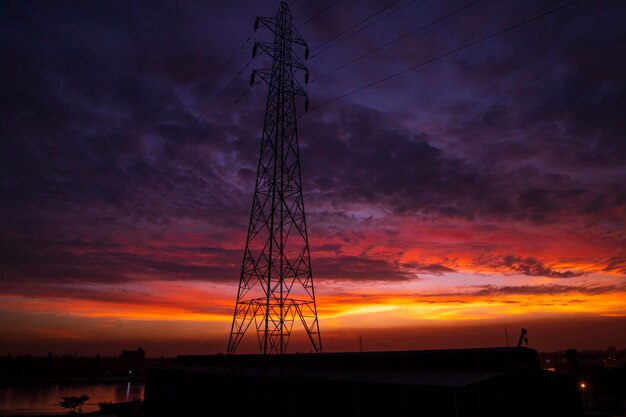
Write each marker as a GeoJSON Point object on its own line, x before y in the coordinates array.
{"type": "Point", "coordinates": [276, 284]}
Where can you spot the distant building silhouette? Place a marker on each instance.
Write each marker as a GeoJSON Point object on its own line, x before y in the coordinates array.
{"type": "Point", "coordinates": [133, 358]}
{"type": "Point", "coordinates": [576, 363]}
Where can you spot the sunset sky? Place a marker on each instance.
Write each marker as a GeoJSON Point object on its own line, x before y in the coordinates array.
{"type": "Point", "coordinates": [481, 191]}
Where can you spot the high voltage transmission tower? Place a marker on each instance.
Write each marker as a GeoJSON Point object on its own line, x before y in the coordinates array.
{"type": "Point", "coordinates": [276, 284]}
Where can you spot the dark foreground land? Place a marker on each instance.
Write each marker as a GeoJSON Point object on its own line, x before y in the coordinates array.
{"type": "Point", "coordinates": [36, 376]}
{"type": "Point", "coordinates": [466, 382]}
{"type": "Point", "coordinates": [18, 371]}
{"type": "Point", "coordinates": [126, 409]}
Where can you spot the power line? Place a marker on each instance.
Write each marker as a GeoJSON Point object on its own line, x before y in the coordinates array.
{"type": "Point", "coordinates": [173, 201]}
{"type": "Point", "coordinates": [361, 29]}
{"type": "Point", "coordinates": [460, 48]}
{"type": "Point", "coordinates": [205, 195]}
{"type": "Point", "coordinates": [196, 141]}
{"type": "Point", "coordinates": [357, 24]}
{"type": "Point", "coordinates": [101, 219]}
{"type": "Point", "coordinates": [99, 244]}
{"type": "Point", "coordinates": [187, 209]}
{"type": "Point", "coordinates": [319, 13]}
{"type": "Point", "coordinates": [64, 262]}
{"type": "Point", "coordinates": [406, 35]}
{"type": "Point", "coordinates": [465, 46]}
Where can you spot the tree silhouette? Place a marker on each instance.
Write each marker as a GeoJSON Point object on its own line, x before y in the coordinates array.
{"type": "Point", "coordinates": [74, 402]}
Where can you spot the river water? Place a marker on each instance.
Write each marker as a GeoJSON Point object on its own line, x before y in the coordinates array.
{"type": "Point", "coordinates": [34, 401]}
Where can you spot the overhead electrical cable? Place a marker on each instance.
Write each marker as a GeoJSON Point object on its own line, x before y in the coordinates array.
{"type": "Point", "coordinates": [102, 218]}
{"type": "Point", "coordinates": [319, 13]}
{"type": "Point", "coordinates": [199, 160]}
{"type": "Point", "coordinates": [406, 35]}
{"type": "Point", "coordinates": [188, 207]}
{"type": "Point", "coordinates": [343, 32]}
{"type": "Point", "coordinates": [220, 118]}
{"type": "Point", "coordinates": [423, 63]}
{"type": "Point", "coordinates": [455, 50]}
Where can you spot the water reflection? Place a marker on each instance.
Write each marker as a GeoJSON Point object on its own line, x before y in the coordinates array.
{"type": "Point", "coordinates": [128, 392]}
{"type": "Point", "coordinates": [45, 400]}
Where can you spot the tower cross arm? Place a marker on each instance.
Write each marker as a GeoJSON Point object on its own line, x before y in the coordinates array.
{"type": "Point", "coordinates": [267, 22]}
{"type": "Point", "coordinates": [265, 47]}
{"type": "Point", "coordinates": [297, 39]}
{"type": "Point", "coordinates": [264, 74]}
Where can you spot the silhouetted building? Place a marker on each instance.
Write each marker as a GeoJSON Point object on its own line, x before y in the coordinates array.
{"type": "Point", "coordinates": [601, 377]}
{"type": "Point", "coordinates": [576, 363]}
{"type": "Point", "coordinates": [133, 358]}
{"type": "Point", "coordinates": [465, 382]}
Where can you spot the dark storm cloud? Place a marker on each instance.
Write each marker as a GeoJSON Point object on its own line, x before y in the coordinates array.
{"type": "Point", "coordinates": [526, 290]}
{"type": "Point", "coordinates": [489, 291]}
{"type": "Point", "coordinates": [616, 264]}
{"type": "Point", "coordinates": [67, 262]}
{"type": "Point", "coordinates": [361, 156]}
{"type": "Point", "coordinates": [68, 293]}
{"type": "Point", "coordinates": [91, 92]}
{"type": "Point", "coordinates": [528, 118]}
{"type": "Point", "coordinates": [554, 96]}
{"type": "Point", "coordinates": [533, 267]}
{"type": "Point", "coordinates": [359, 268]}
{"type": "Point", "coordinates": [530, 266]}
{"type": "Point", "coordinates": [434, 269]}
{"type": "Point", "coordinates": [494, 290]}
{"type": "Point", "coordinates": [94, 116]}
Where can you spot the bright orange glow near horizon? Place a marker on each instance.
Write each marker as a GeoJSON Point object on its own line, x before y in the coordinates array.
{"type": "Point", "coordinates": [193, 311]}
{"type": "Point", "coordinates": [425, 276]}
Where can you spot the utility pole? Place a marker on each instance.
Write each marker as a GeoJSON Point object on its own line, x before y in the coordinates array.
{"type": "Point", "coordinates": [276, 284]}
